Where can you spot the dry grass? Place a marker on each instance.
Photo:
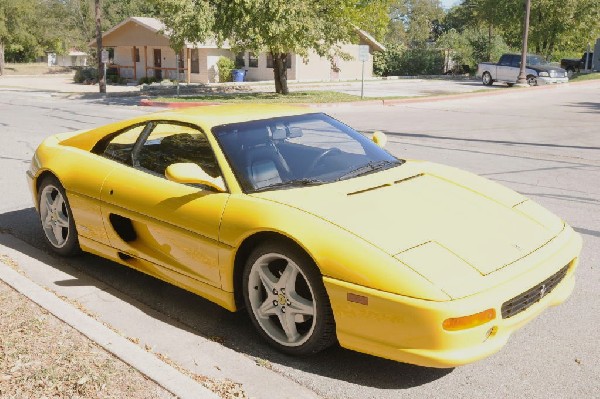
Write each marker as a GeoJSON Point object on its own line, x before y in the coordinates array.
{"type": "Point", "coordinates": [36, 68]}
{"type": "Point", "coordinates": [40, 356]}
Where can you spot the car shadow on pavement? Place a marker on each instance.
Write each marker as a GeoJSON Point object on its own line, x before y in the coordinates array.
{"type": "Point", "coordinates": [186, 311]}
{"type": "Point", "coordinates": [592, 108]}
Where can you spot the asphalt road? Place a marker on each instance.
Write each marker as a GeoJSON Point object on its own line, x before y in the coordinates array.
{"type": "Point", "coordinates": [542, 143]}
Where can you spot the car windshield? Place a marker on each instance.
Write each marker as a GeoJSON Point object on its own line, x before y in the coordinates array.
{"type": "Point", "coordinates": [535, 60]}
{"type": "Point", "coordinates": [300, 150]}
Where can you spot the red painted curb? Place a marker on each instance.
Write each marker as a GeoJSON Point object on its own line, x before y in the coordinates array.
{"type": "Point", "coordinates": [149, 103]}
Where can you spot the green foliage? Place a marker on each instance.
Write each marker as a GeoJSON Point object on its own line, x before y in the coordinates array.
{"type": "Point", "coordinates": [28, 28]}
{"type": "Point", "coordinates": [275, 26]}
{"type": "Point", "coordinates": [225, 66]}
{"type": "Point", "coordinates": [86, 75]}
{"type": "Point", "coordinates": [414, 22]}
{"type": "Point", "coordinates": [556, 26]}
{"type": "Point", "coordinates": [472, 46]}
{"type": "Point", "coordinates": [147, 80]}
{"type": "Point", "coordinates": [388, 62]}
{"type": "Point", "coordinates": [399, 61]}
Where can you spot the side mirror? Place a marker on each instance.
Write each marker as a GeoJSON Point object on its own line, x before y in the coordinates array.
{"type": "Point", "coordinates": [379, 138]}
{"type": "Point", "coordinates": [190, 173]}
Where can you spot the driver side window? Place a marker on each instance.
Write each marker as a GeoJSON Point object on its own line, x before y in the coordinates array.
{"type": "Point", "coordinates": [171, 143]}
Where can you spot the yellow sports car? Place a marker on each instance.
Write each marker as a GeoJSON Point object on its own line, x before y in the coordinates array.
{"type": "Point", "coordinates": [317, 231]}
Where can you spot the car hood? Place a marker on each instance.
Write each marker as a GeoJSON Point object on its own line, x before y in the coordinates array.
{"type": "Point", "coordinates": [545, 68]}
{"type": "Point", "coordinates": [419, 209]}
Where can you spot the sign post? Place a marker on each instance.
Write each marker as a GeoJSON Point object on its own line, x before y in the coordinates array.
{"type": "Point", "coordinates": [363, 56]}
{"type": "Point", "coordinates": [104, 60]}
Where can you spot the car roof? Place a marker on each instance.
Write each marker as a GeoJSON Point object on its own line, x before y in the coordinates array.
{"type": "Point", "coordinates": [210, 116]}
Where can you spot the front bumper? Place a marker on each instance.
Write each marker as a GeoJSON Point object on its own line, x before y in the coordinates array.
{"type": "Point", "coordinates": [542, 80]}
{"type": "Point", "coordinates": [410, 330]}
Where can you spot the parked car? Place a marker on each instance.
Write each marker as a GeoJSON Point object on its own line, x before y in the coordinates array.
{"type": "Point", "coordinates": [575, 65]}
{"type": "Point", "coordinates": [538, 71]}
{"type": "Point", "coordinates": [312, 227]}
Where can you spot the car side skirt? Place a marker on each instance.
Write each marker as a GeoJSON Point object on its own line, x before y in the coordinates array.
{"type": "Point", "coordinates": [209, 292]}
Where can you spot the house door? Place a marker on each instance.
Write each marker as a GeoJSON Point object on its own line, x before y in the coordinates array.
{"type": "Point", "coordinates": [157, 64]}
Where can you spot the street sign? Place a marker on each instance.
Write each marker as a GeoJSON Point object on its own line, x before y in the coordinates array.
{"type": "Point", "coordinates": [363, 53]}
{"type": "Point", "coordinates": [104, 56]}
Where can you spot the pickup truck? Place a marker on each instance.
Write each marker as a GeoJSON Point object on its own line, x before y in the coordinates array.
{"type": "Point", "coordinates": [538, 71]}
{"type": "Point", "coordinates": [573, 65]}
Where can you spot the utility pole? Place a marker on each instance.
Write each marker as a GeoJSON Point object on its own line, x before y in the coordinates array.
{"type": "Point", "coordinates": [101, 74]}
{"type": "Point", "coordinates": [522, 80]}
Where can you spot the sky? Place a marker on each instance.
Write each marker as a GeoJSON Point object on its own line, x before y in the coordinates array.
{"type": "Point", "coordinates": [449, 3]}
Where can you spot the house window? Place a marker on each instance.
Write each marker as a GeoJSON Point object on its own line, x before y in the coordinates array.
{"type": "Point", "coordinates": [240, 61]}
{"type": "Point", "coordinates": [181, 61]}
{"type": "Point", "coordinates": [252, 60]}
{"type": "Point", "coordinates": [195, 61]}
{"type": "Point", "coordinates": [288, 61]}
{"type": "Point", "coordinates": [137, 55]}
{"type": "Point", "coordinates": [111, 55]}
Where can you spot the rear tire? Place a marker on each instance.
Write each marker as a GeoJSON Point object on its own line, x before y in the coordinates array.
{"type": "Point", "coordinates": [56, 218]}
{"type": "Point", "coordinates": [286, 299]}
{"type": "Point", "coordinates": [487, 79]}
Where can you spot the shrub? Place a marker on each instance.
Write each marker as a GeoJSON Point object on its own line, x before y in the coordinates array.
{"type": "Point", "coordinates": [225, 66]}
{"type": "Point", "coordinates": [398, 61]}
{"type": "Point", "coordinates": [86, 75]}
{"type": "Point", "coordinates": [147, 80]}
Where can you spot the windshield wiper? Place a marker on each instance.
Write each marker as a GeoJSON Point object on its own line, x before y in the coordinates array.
{"type": "Point", "coordinates": [370, 167]}
{"type": "Point", "coordinates": [291, 183]}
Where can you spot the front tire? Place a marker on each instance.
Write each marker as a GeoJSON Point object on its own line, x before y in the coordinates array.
{"type": "Point", "coordinates": [532, 80]}
{"type": "Point", "coordinates": [56, 218]}
{"type": "Point", "coordinates": [286, 299]}
{"type": "Point", "coordinates": [487, 79]}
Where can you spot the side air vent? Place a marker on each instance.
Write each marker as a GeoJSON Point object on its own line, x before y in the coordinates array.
{"type": "Point", "coordinates": [123, 227]}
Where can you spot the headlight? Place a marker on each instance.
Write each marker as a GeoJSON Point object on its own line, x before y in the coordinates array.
{"type": "Point", "coordinates": [545, 74]}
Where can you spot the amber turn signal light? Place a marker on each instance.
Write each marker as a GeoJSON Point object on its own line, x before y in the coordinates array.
{"type": "Point", "coordinates": [474, 320]}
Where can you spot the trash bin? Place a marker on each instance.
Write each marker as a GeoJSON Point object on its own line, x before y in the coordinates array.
{"type": "Point", "coordinates": [238, 75]}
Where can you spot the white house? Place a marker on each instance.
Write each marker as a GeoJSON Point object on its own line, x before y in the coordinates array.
{"type": "Point", "coordinates": [141, 48]}
{"type": "Point", "coordinates": [73, 58]}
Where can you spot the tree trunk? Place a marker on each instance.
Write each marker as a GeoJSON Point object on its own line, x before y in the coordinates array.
{"type": "Point", "coordinates": [101, 77]}
{"type": "Point", "coordinates": [280, 73]}
{"type": "Point", "coordinates": [490, 35]}
{"type": "Point", "coordinates": [1, 57]}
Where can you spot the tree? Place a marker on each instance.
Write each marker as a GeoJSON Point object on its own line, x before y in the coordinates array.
{"type": "Point", "coordinates": [414, 22]}
{"type": "Point", "coordinates": [17, 27]}
{"type": "Point", "coordinates": [101, 75]}
{"type": "Point", "coordinates": [277, 27]}
{"type": "Point", "coordinates": [556, 26]}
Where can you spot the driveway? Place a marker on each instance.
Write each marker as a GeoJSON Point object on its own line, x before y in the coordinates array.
{"type": "Point", "coordinates": [542, 143]}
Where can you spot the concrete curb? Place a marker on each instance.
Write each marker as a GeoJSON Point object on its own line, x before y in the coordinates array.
{"type": "Point", "coordinates": [146, 363]}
